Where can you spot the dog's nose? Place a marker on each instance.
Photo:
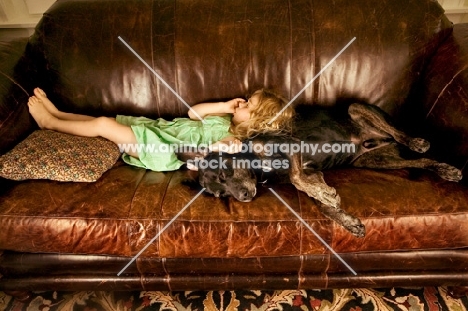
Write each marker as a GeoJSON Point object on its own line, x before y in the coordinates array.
{"type": "Point", "coordinates": [245, 196]}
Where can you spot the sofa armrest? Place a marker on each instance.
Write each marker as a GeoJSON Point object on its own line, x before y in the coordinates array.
{"type": "Point", "coordinates": [16, 77]}
{"type": "Point", "coordinates": [445, 99]}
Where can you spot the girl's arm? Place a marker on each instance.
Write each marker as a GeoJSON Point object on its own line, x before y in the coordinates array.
{"type": "Point", "coordinates": [214, 109]}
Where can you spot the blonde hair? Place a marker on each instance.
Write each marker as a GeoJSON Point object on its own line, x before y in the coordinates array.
{"type": "Point", "coordinates": [267, 117]}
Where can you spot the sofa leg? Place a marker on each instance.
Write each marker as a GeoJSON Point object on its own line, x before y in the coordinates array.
{"type": "Point", "coordinates": [457, 291]}
{"type": "Point", "coordinates": [18, 295]}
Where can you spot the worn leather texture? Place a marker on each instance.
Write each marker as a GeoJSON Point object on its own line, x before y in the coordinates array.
{"type": "Point", "coordinates": [405, 59]}
{"type": "Point", "coordinates": [126, 208]}
{"type": "Point", "coordinates": [445, 99]}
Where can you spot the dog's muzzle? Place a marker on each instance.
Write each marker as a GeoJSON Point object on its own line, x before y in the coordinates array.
{"type": "Point", "coordinates": [245, 194]}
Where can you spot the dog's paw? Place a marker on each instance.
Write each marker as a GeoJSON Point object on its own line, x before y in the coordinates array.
{"type": "Point", "coordinates": [358, 231]}
{"type": "Point", "coordinates": [341, 217]}
{"type": "Point", "coordinates": [354, 225]}
{"type": "Point", "coordinates": [448, 172]}
{"type": "Point", "coordinates": [419, 145]}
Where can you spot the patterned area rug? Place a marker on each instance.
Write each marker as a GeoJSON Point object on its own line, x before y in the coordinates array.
{"type": "Point", "coordinates": [411, 299]}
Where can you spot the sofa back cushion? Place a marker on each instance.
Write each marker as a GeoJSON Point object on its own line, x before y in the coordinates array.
{"type": "Point", "coordinates": [15, 78]}
{"type": "Point", "coordinates": [210, 50]}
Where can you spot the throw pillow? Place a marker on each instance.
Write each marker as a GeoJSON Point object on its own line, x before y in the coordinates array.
{"type": "Point", "coordinates": [52, 155]}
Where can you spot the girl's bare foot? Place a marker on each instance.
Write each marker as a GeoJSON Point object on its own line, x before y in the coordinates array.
{"type": "Point", "coordinates": [41, 95]}
{"type": "Point", "coordinates": [40, 114]}
{"type": "Point", "coordinates": [50, 107]}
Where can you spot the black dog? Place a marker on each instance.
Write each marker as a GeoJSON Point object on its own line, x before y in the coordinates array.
{"type": "Point", "coordinates": [360, 136]}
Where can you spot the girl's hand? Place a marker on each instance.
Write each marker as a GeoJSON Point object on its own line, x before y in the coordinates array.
{"type": "Point", "coordinates": [215, 109]}
{"type": "Point", "coordinates": [230, 106]}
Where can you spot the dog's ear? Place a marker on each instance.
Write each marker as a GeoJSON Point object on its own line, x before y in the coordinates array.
{"type": "Point", "coordinates": [192, 184]}
{"type": "Point", "coordinates": [226, 172]}
{"type": "Point", "coordinates": [222, 176]}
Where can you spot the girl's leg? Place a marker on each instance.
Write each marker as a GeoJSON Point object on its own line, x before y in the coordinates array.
{"type": "Point", "coordinates": [91, 127]}
{"type": "Point", "coordinates": [41, 95]}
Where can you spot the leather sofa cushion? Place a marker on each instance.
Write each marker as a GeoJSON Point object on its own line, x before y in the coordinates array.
{"type": "Point", "coordinates": [126, 208]}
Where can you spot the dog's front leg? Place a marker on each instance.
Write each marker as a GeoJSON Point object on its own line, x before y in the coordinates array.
{"type": "Point", "coordinates": [315, 187]}
{"type": "Point", "coordinates": [328, 200]}
{"type": "Point", "coordinates": [347, 221]}
{"type": "Point", "coordinates": [313, 184]}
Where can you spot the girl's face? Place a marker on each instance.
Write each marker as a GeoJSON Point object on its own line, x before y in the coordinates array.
{"type": "Point", "coordinates": [242, 113]}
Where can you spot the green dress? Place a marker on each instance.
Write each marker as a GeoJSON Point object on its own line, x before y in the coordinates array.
{"type": "Point", "coordinates": [156, 137]}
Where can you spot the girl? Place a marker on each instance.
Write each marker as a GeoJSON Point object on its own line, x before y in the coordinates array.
{"type": "Point", "coordinates": [144, 141]}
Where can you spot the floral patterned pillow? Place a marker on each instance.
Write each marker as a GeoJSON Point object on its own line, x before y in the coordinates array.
{"type": "Point", "coordinates": [51, 155]}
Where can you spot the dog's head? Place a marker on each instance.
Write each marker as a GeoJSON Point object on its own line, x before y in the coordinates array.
{"type": "Point", "coordinates": [221, 177]}
{"type": "Point", "coordinates": [224, 174]}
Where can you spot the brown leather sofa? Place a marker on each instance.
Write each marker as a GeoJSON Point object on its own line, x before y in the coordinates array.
{"type": "Point", "coordinates": [407, 58]}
